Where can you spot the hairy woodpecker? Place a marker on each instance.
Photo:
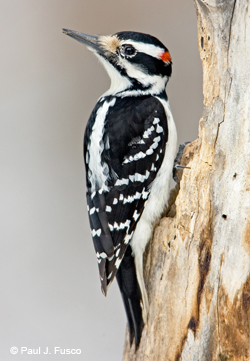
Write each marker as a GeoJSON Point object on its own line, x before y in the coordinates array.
{"type": "Point", "coordinates": [130, 144]}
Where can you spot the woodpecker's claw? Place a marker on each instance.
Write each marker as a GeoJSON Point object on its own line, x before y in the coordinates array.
{"type": "Point", "coordinates": [177, 167]}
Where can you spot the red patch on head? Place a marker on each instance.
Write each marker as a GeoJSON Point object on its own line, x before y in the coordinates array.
{"type": "Point", "coordinates": [165, 57]}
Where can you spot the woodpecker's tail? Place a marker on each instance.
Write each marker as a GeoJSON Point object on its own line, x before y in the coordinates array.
{"type": "Point", "coordinates": [131, 295]}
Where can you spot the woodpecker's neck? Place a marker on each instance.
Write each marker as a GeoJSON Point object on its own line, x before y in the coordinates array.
{"type": "Point", "coordinates": [132, 83]}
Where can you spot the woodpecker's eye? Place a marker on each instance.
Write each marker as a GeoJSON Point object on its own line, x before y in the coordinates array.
{"type": "Point", "coordinates": [128, 50]}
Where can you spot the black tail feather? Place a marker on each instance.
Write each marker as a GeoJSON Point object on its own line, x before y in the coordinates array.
{"type": "Point", "coordinates": [131, 295]}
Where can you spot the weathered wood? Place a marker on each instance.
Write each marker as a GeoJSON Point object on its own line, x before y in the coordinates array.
{"type": "Point", "coordinates": [198, 264]}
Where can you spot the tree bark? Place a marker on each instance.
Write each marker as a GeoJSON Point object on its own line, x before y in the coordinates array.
{"type": "Point", "coordinates": [197, 267]}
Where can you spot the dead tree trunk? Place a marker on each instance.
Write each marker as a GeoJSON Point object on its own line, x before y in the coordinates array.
{"type": "Point", "coordinates": [198, 264]}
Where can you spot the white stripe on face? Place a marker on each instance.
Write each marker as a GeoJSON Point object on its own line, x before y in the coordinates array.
{"type": "Point", "coordinates": [149, 49]}
{"type": "Point", "coordinates": [111, 43]}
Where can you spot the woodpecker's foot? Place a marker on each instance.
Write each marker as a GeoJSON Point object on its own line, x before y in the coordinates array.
{"type": "Point", "coordinates": [177, 167]}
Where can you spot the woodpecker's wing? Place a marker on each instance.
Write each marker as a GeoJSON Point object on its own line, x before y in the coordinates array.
{"type": "Point", "coordinates": [131, 151]}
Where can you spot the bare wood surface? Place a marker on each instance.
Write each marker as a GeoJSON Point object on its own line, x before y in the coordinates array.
{"type": "Point", "coordinates": [197, 266]}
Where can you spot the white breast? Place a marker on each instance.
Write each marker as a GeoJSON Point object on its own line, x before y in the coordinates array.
{"type": "Point", "coordinates": [160, 188]}
{"type": "Point", "coordinates": [155, 204]}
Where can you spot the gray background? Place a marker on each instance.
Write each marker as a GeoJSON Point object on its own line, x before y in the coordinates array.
{"type": "Point", "coordinates": [50, 291]}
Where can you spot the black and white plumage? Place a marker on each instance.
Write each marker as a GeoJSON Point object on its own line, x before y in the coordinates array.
{"type": "Point", "coordinates": [129, 149]}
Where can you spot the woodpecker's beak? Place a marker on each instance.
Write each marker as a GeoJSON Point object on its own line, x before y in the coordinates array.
{"type": "Point", "coordinates": [88, 40]}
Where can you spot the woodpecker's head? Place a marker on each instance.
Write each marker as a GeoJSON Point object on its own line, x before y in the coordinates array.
{"type": "Point", "coordinates": [136, 62]}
